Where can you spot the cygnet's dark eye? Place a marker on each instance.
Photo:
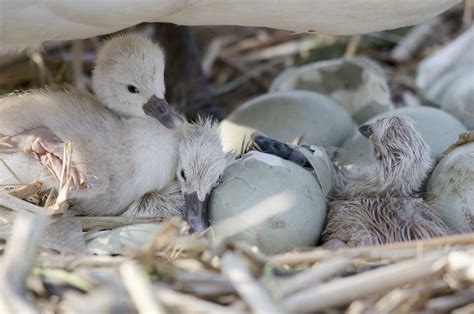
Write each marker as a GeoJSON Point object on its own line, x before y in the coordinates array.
{"type": "Point", "coordinates": [182, 174]}
{"type": "Point", "coordinates": [132, 89]}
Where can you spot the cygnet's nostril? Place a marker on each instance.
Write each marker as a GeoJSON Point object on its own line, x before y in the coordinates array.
{"type": "Point", "coordinates": [366, 130]}
{"type": "Point", "coordinates": [161, 109]}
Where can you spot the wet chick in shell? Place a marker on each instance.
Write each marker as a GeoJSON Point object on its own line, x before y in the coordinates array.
{"type": "Point", "coordinates": [378, 204]}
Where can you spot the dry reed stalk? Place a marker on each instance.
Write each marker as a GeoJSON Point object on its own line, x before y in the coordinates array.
{"type": "Point", "coordinates": [251, 291]}
{"type": "Point", "coordinates": [139, 287]}
{"type": "Point", "coordinates": [26, 190]}
{"type": "Point", "coordinates": [352, 46]}
{"type": "Point", "coordinates": [257, 42]}
{"type": "Point", "coordinates": [298, 46]}
{"type": "Point", "coordinates": [345, 290]}
{"type": "Point", "coordinates": [403, 299]}
{"type": "Point", "coordinates": [72, 262]}
{"type": "Point", "coordinates": [9, 169]}
{"type": "Point", "coordinates": [17, 261]}
{"type": "Point", "coordinates": [179, 302]}
{"type": "Point", "coordinates": [314, 275]}
{"type": "Point", "coordinates": [407, 47]}
{"type": "Point", "coordinates": [112, 222]}
{"type": "Point", "coordinates": [401, 250]}
{"type": "Point", "coordinates": [450, 302]}
{"type": "Point", "coordinates": [462, 264]}
{"type": "Point", "coordinates": [60, 205]}
{"type": "Point", "coordinates": [18, 205]}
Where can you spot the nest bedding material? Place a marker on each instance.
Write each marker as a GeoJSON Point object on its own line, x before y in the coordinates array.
{"type": "Point", "coordinates": [175, 272]}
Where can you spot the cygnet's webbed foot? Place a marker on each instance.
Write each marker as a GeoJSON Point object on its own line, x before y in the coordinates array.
{"type": "Point", "coordinates": [48, 149]}
{"type": "Point", "coordinates": [271, 146]}
{"type": "Point", "coordinates": [334, 244]}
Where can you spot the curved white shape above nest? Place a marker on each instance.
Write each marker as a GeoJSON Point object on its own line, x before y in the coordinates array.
{"type": "Point", "coordinates": [26, 23]}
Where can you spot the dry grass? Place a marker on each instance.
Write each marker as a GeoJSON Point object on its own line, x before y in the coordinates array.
{"type": "Point", "coordinates": [176, 272]}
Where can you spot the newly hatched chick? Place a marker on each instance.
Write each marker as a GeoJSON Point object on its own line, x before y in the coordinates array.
{"type": "Point", "coordinates": [201, 162]}
{"type": "Point", "coordinates": [375, 205]}
{"type": "Point", "coordinates": [121, 152]}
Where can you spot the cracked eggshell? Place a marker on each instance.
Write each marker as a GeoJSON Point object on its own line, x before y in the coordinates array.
{"type": "Point", "coordinates": [438, 128]}
{"type": "Point", "coordinates": [451, 188]}
{"type": "Point", "coordinates": [114, 241]}
{"type": "Point", "coordinates": [358, 84]}
{"type": "Point", "coordinates": [285, 116]}
{"type": "Point", "coordinates": [268, 202]}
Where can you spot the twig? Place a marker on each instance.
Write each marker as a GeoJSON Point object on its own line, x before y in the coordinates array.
{"type": "Point", "coordinates": [71, 261]}
{"type": "Point", "coordinates": [402, 250]}
{"type": "Point", "coordinates": [248, 288]}
{"type": "Point", "coordinates": [257, 42]}
{"type": "Point", "coordinates": [345, 290]}
{"type": "Point", "coordinates": [9, 169]}
{"type": "Point", "coordinates": [410, 43]}
{"type": "Point", "coordinates": [243, 69]}
{"type": "Point", "coordinates": [450, 302]}
{"type": "Point", "coordinates": [251, 74]}
{"type": "Point", "coordinates": [468, 12]}
{"type": "Point", "coordinates": [107, 223]}
{"type": "Point", "coordinates": [78, 63]}
{"type": "Point", "coordinates": [63, 276]}
{"type": "Point", "coordinates": [297, 46]}
{"type": "Point", "coordinates": [18, 205]}
{"type": "Point", "coordinates": [17, 261]}
{"type": "Point", "coordinates": [26, 190]}
{"type": "Point", "coordinates": [45, 75]}
{"type": "Point", "coordinates": [139, 287]}
{"type": "Point", "coordinates": [213, 52]}
{"type": "Point", "coordinates": [179, 302]}
{"type": "Point", "coordinates": [315, 275]}
{"type": "Point", "coordinates": [352, 46]}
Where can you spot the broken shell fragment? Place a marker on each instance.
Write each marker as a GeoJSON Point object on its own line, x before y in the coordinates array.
{"type": "Point", "coordinates": [115, 241]}
{"type": "Point", "coordinates": [438, 128]}
{"type": "Point", "coordinates": [446, 78]}
{"type": "Point", "coordinates": [285, 116]}
{"type": "Point", "coordinates": [358, 84]}
{"type": "Point", "coordinates": [270, 202]}
{"type": "Point", "coordinates": [451, 188]}
{"type": "Point", "coordinates": [454, 93]}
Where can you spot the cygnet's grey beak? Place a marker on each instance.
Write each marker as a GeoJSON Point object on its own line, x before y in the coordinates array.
{"type": "Point", "coordinates": [366, 130]}
{"type": "Point", "coordinates": [196, 212]}
{"type": "Point", "coordinates": [160, 109]}
{"type": "Point", "coordinates": [271, 146]}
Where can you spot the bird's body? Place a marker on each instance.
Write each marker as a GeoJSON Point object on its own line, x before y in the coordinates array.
{"type": "Point", "coordinates": [121, 158]}
{"type": "Point", "coordinates": [128, 145]}
{"type": "Point", "coordinates": [378, 204]}
{"type": "Point", "coordinates": [26, 23]}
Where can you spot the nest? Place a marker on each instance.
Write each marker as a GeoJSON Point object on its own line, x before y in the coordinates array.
{"type": "Point", "coordinates": [177, 272]}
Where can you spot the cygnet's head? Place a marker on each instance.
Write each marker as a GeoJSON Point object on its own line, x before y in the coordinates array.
{"type": "Point", "coordinates": [129, 79]}
{"type": "Point", "coordinates": [402, 156]}
{"type": "Point", "coordinates": [201, 163]}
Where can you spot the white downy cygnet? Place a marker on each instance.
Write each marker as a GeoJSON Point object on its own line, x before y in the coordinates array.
{"type": "Point", "coordinates": [201, 163]}
{"type": "Point", "coordinates": [120, 150]}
